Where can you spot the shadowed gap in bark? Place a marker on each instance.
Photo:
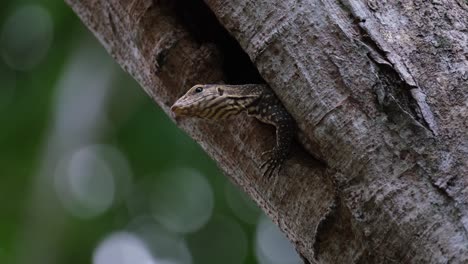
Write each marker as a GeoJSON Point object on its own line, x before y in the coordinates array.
{"type": "Point", "coordinates": [394, 92]}
{"type": "Point", "coordinates": [202, 24]}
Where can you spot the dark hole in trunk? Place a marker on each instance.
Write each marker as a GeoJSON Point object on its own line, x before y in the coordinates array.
{"type": "Point", "coordinates": [204, 27]}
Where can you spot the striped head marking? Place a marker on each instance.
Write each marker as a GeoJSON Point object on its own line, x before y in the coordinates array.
{"type": "Point", "coordinates": [208, 101]}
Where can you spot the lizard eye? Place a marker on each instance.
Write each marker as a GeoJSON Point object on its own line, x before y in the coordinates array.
{"type": "Point", "coordinates": [198, 90]}
{"type": "Point", "coordinates": [220, 91]}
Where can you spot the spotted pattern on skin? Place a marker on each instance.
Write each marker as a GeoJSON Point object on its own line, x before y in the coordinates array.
{"type": "Point", "coordinates": [218, 101]}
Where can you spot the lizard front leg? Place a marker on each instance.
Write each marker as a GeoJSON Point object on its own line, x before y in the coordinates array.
{"type": "Point", "coordinates": [276, 156]}
{"type": "Point", "coordinates": [270, 110]}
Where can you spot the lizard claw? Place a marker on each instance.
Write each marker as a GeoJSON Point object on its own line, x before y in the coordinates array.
{"type": "Point", "coordinates": [272, 163]}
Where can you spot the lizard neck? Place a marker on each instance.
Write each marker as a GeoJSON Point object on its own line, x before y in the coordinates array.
{"type": "Point", "coordinates": [235, 99]}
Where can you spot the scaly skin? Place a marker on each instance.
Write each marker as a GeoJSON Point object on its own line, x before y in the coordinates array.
{"type": "Point", "coordinates": [219, 101]}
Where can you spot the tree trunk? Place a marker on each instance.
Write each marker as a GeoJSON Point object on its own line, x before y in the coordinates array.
{"type": "Point", "coordinates": [379, 87]}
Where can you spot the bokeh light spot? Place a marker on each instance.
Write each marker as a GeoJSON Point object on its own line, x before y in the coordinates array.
{"type": "Point", "coordinates": [166, 246]}
{"type": "Point", "coordinates": [122, 248]}
{"type": "Point", "coordinates": [272, 246]}
{"type": "Point", "coordinates": [91, 180]}
{"type": "Point", "coordinates": [182, 200]}
{"type": "Point", "coordinates": [26, 37]}
{"type": "Point", "coordinates": [86, 181]}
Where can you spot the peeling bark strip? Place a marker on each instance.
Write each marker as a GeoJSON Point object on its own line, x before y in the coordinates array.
{"type": "Point", "coordinates": [392, 193]}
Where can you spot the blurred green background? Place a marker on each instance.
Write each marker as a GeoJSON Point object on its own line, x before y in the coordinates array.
{"type": "Point", "coordinates": [92, 171]}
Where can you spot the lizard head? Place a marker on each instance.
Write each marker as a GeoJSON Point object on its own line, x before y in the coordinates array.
{"type": "Point", "coordinates": [201, 100]}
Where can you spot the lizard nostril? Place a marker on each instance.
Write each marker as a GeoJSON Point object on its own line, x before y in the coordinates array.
{"type": "Point", "coordinates": [179, 110]}
{"type": "Point", "coordinates": [175, 108]}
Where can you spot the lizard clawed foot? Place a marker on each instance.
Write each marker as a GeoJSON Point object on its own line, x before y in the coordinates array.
{"type": "Point", "coordinates": [272, 163]}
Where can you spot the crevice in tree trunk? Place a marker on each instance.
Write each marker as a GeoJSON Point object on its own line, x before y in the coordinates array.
{"type": "Point", "coordinates": [398, 89]}
{"type": "Point", "coordinates": [394, 94]}
{"type": "Point", "coordinates": [325, 226]}
{"type": "Point", "coordinates": [203, 26]}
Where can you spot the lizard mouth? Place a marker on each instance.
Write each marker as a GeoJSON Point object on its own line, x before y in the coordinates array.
{"type": "Point", "coordinates": [184, 108]}
{"type": "Point", "coordinates": [178, 110]}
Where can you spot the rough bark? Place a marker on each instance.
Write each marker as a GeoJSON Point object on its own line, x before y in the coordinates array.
{"type": "Point", "coordinates": [380, 87]}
